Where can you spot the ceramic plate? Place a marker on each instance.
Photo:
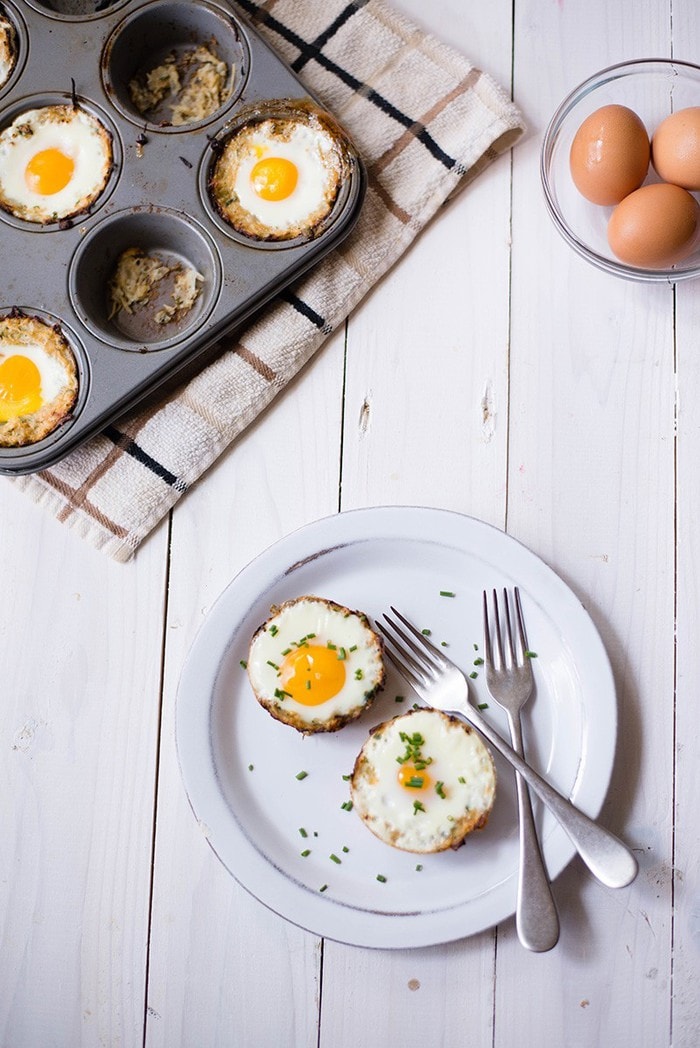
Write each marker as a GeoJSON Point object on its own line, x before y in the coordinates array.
{"type": "Point", "coordinates": [241, 768]}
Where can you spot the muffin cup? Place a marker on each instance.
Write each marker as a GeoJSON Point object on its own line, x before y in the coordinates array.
{"type": "Point", "coordinates": [171, 236]}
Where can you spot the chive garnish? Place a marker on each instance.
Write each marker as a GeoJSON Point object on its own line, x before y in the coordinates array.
{"type": "Point", "coordinates": [462, 780]}
{"type": "Point", "coordinates": [419, 867]}
{"type": "Point", "coordinates": [331, 646]}
{"type": "Point", "coordinates": [359, 675]}
{"type": "Point", "coordinates": [417, 806]}
{"type": "Point", "coordinates": [250, 767]}
{"type": "Point", "coordinates": [303, 832]}
{"type": "Point", "coordinates": [473, 675]}
{"type": "Point", "coordinates": [323, 888]}
{"type": "Point", "coordinates": [308, 685]}
{"type": "Point", "coordinates": [274, 630]}
{"type": "Point", "coordinates": [286, 651]}
{"type": "Point", "coordinates": [244, 664]}
{"type": "Point", "coordinates": [346, 778]}
{"type": "Point", "coordinates": [334, 858]}
{"type": "Point", "coordinates": [301, 775]}
{"type": "Point", "coordinates": [446, 593]}
{"type": "Point", "coordinates": [346, 805]}
{"type": "Point", "coordinates": [309, 636]}
{"type": "Point", "coordinates": [381, 878]}
{"type": "Point", "coordinates": [426, 633]}
{"type": "Point", "coordinates": [399, 698]}
{"type": "Point", "coordinates": [416, 782]}
{"type": "Point", "coordinates": [273, 664]}
{"type": "Point", "coordinates": [342, 654]}
{"type": "Point", "coordinates": [440, 790]}
{"type": "Point", "coordinates": [530, 654]}
{"type": "Point", "coordinates": [353, 648]}
{"type": "Point", "coordinates": [483, 706]}
{"type": "Point", "coordinates": [443, 644]}
{"type": "Point", "coordinates": [345, 848]}
{"type": "Point", "coordinates": [306, 851]}
{"type": "Point", "coordinates": [479, 661]}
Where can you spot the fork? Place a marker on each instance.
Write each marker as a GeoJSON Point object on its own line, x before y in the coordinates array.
{"type": "Point", "coordinates": [442, 685]}
{"type": "Point", "coordinates": [510, 682]}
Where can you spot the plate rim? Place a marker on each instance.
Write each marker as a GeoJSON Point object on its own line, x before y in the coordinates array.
{"type": "Point", "coordinates": [376, 930]}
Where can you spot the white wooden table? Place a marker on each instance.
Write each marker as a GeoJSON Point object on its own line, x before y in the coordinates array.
{"type": "Point", "coordinates": [561, 407]}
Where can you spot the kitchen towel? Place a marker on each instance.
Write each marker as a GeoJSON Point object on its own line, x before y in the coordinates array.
{"type": "Point", "coordinates": [426, 121]}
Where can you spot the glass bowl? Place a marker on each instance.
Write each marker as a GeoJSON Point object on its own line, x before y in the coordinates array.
{"type": "Point", "coordinates": [653, 88]}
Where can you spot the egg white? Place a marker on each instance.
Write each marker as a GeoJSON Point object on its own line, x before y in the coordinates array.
{"type": "Point", "coordinates": [324, 623]}
{"type": "Point", "coordinates": [448, 812]}
{"type": "Point", "coordinates": [76, 133]}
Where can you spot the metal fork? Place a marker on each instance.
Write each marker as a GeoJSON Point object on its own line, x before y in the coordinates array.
{"type": "Point", "coordinates": [442, 685]}
{"type": "Point", "coordinates": [510, 682]}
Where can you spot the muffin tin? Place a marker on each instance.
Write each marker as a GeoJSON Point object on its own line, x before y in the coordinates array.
{"type": "Point", "coordinates": [156, 198]}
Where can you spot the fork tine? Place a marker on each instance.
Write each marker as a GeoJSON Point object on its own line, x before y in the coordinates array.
{"type": "Point", "coordinates": [509, 629]}
{"type": "Point", "coordinates": [520, 621]}
{"type": "Point", "coordinates": [488, 653]}
{"type": "Point", "coordinates": [497, 632]}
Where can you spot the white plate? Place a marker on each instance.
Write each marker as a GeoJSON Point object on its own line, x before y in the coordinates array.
{"type": "Point", "coordinates": [240, 766]}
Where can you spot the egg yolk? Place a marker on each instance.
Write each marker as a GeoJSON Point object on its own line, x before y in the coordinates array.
{"type": "Point", "coordinates": [20, 387]}
{"type": "Point", "coordinates": [274, 178]}
{"type": "Point", "coordinates": [313, 674]}
{"type": "Point", "coordinates": [48, 172]}
{"type": "Point", "coordinates": [412, 778]}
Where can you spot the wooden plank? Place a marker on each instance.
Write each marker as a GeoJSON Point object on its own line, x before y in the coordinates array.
{"type": "Point", "coordinates": [82, 643]}
{"type": "Point", "coordinates": [425, 424]}
{"type": "Point", "coordinates": [223, 969]}
{"type": "Point", "coordinates": [686, 866]}
{"type": "Point", "coordinates": [591, 488]}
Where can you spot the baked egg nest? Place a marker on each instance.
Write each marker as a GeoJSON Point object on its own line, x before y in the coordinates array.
{"type": "Point", "coordinates": [278, 177]}
{"type": "Point", "coordinates": [38, 379]}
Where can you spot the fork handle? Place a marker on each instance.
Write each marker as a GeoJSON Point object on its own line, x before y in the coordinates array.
{"type": "Point", "coordinates": [606, 857]}
{"type": "Point", "coordinates": [536, 917]}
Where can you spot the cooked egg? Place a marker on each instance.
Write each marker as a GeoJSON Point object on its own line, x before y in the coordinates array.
{"type": "Point", "coordinates": [315, 665]}
{"type": "Point", "coordinates": [38, 379]}
{"type": "Point", "coordinates": [278, 179]}
{"type": "Point", "coordinates": [609, 155]}
{"type": "Point", "coordinates": [423, 781]}
{"type": "Point", "coordinates": [675, 148]}
{"type": "Point", "coordinates": [8, 49]}
{"type": "Point", "coordinates": [54, 163]}
{"type": "Point", "coordinates": [654, 227]}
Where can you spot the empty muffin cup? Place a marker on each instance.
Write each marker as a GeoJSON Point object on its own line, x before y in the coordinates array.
{"type": "Point", "coordinates": [142, 279]}
{"type": "Point", "coordinates": [175, 65]}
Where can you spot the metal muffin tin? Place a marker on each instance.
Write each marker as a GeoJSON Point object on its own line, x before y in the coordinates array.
{"type": "Point", "coordinates": [156, 198]}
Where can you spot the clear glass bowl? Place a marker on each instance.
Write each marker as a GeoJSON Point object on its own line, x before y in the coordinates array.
{"type": "Point", "coordinates": [653, 88]}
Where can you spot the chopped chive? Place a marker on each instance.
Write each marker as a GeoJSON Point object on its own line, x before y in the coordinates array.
{"type": "Point", "coordinates": [426, 633]}
{"type": "Point", "coordinates": [417, 806]}
{"type": "Point", "coordinates": [303, 832]}
{"type": "Point", "coordinates": [334, 858]}
{"type": "Point", "coordinates": [273, 664]}
{"type": "Point", "coordinates": [415, 706]}
{"type": "Point", "coordinates": [443, 644]}
{"type": "Point", "coordinates": [416, 782]}
{"type": "Point", "coordinates": [419, 867]}
{"type": "Point", "coordinates": [331, 646]}
{"type": "Point", "coordinates": [301, 775]}
{"type": "Point", "coordinates": [483, 706]}
{"type": "Point", "coordinates": [440, 790]}
{"type": "Point", "coordinates": [446, 593]}
{"type": "Point", "coordinates": [244, 664]}
{"type": "Point", "coordinates": [381, 878]}
{"type": "Point", "coordinates": [476, 647]}
{"type": "Point", "coordinates": [315, 833]}
{"type": "Point", "coordinates": [250, 767]}
{"type": "Point", "coordinates": [306, 851]}
{"type": "Point", "coordinates": [530, 654]}
{"type": "Point", "coordinates": [359, 675]}
{"type": "Point", "coordinates": [309, 636]}
{"type": "Point", "coordinates": [353, 648]}
{"type": "Point", "coordinates": [346, 778]}
{"type": "Point", "coordinates": [308, 685]}
{"type": "Point", "coordinates": [286, 651]}
{"type": "Point", "coordinates": [280, 693]}
{"type": "Point", "coordinates": [479, 661]}
{"type": "Point", "coordinates": [342, 654]}
{"type": "Point", "coordinates": [462, 780]}
{"type": "Point", "coordinates": [345, 848]}
{"type": "Point", "coordinates": [346, 805]}
{"type": "Point", "coordinates": [323, 888]}
{"type": "Point", "coordinates": [274, 630]}
{"type": "Point", "coordinates": [473, 675]}
{"type": "Point", "coordinates": [399, 698]}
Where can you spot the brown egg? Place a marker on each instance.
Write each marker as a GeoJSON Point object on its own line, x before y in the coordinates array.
{"type": "Point", "coordinates": [609, 155]}
{"type": "Point", "coordinates": [654, 227]}
{"type": "Point", "coordinates": [676, 148]}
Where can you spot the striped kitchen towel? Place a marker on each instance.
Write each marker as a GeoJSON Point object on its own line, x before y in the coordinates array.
{"type": "Point", "coordinates": [426, 121]}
